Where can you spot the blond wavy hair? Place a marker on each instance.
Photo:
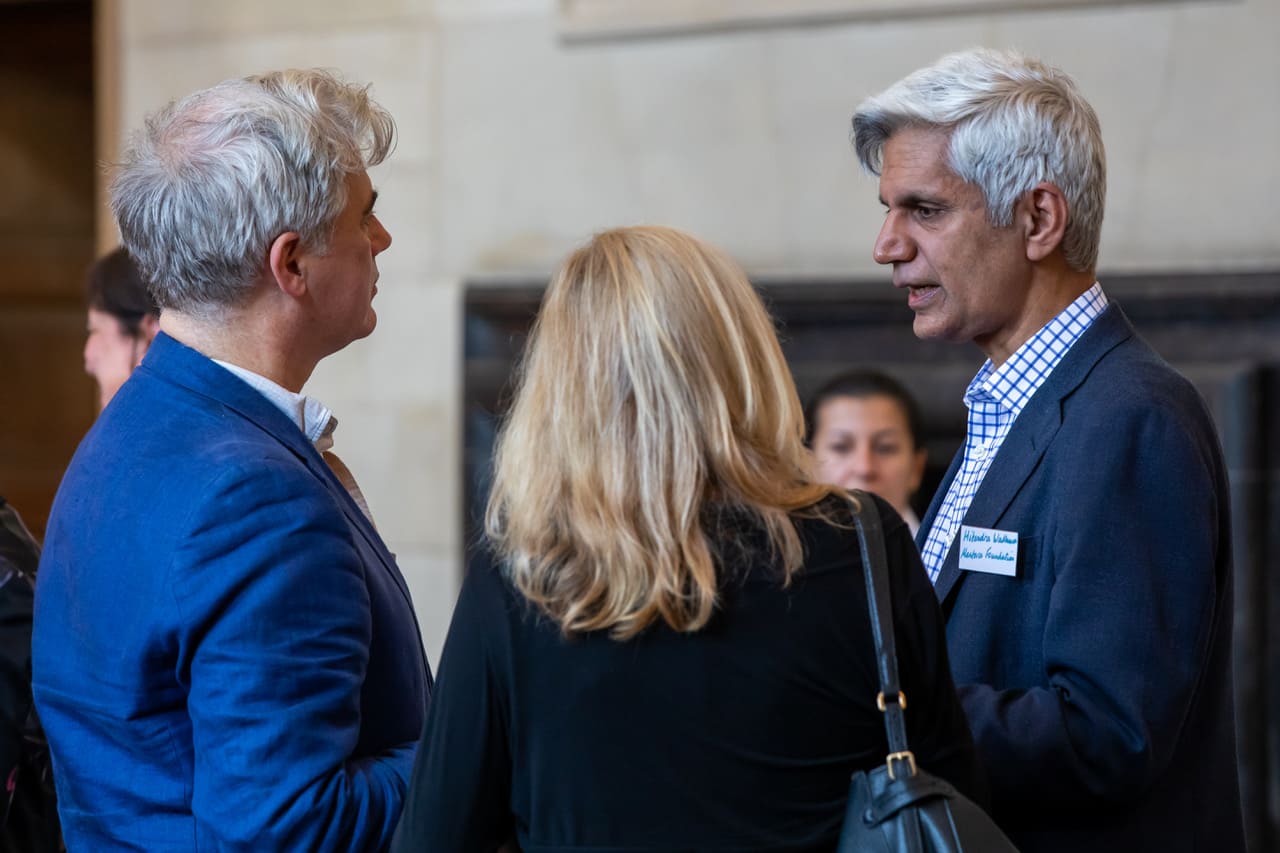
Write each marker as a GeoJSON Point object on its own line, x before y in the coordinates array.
{"type": "Point", "coordinates": [652, 390]}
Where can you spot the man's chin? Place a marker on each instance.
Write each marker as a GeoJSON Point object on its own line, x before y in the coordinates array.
{"type": "Point", "coordinates": [370, 324]}
{"type": "Point", "coordinates": [925, 328]}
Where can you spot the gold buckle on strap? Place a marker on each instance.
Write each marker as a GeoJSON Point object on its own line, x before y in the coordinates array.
{"type": "Point", "coordinates": [906, 756]}
{"type": "Point", "coordinates": [902, 700]}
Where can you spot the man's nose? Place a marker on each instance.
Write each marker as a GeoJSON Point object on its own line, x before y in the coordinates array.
{"type": "Point", "coordinates": [863, 461]}
{"type": "Point", "coordinates": [381, 237]}
{"type": "Point", "coordinates": [892, 245]}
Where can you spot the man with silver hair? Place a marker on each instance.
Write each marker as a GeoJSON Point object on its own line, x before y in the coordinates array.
{"type": "Point", "coordinates": [226, 656]}
{"type": "Point", "coordinates": [1080, 543]}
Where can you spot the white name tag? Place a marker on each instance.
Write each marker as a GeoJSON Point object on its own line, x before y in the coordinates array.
{"type": "Point", "coordinates": [985, 550]}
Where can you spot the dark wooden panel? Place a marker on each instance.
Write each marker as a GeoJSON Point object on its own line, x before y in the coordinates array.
{"type": "Point", "coordinates": [46, 243]}
{"type": "Point", "coordinates": [47, 402]}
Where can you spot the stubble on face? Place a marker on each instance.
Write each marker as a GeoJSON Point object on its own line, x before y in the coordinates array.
{"type": "Point", "coordinates": [345, 275]}
{"type": "Point", "coordinates": [965, 278]}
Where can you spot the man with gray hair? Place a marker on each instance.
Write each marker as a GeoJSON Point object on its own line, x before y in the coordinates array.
{"type": "Point", "coordinates": [225, 654]}
{"type": "Point", "coordinates": [1080, 543]}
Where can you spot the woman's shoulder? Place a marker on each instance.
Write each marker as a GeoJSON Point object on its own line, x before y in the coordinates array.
{"type": "Point", "coordinates": [832, 518]}
{"type": "Point", "coordinates": [825, 528]}
{"type": "Point", "coordinates": [487, 587]}
{"type": "Point", "coordinates": [831, 546]}
{"type": "Point", "coordinates": [491, 596]}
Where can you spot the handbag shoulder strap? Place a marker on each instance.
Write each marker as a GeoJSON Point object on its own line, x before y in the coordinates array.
{"type": "Point", "coordinates": [875, 570]}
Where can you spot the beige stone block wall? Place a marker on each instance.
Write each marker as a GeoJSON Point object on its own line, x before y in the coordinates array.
{"type": "Point", "coordinates": [743, 136]}
{"type": "Point", "coordinates": [515, 146]}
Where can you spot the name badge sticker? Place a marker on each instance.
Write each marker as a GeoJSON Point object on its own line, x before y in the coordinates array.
{"type": "Point", "coordinates": [994, 552]}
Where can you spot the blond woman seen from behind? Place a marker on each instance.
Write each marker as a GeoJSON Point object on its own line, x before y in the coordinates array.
{"type": "Point", "coordinates": [675, 653]}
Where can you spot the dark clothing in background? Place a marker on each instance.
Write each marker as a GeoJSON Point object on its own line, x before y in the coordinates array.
{"type": "Point", "coordinates": [28, 804]}
{"type": "Point", "coordinates": [740, 736]}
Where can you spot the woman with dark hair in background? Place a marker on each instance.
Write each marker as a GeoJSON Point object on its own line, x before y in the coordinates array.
{"type": "Point", "coordinates": [675, 653]}
{"type": "Point", "coordinates": [123, 320]}
{"type": "Point", "coordinates": [864, 428]}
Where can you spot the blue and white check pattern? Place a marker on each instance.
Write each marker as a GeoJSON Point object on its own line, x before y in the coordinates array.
{"type": "Point", "coordinates": [995, 397]}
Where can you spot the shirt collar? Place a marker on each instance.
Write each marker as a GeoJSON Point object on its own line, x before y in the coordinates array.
{"type": "Point", "coordinates": [1013, 383]}
{"type": "Point", "coordinates": [311, 416]}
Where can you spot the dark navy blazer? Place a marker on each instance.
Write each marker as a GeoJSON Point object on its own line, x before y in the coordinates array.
{"type": "Point", "coordinates": [225, 654]}
{"type": "Point", "coordinates": [1098, 680]}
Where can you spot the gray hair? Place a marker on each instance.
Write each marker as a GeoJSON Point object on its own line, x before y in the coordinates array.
{"type": "Point", "coordinates": [213, 178]}
{"type": "Point", "coordinates": [1014, 122]}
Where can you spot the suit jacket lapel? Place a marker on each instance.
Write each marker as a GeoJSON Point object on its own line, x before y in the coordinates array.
{"type": "Point", "coordinates": [177, 363]}
{"type": "Point", "coordinates": [1031, 434]}
{"type": "Point", "coordinates": [1019, 454]}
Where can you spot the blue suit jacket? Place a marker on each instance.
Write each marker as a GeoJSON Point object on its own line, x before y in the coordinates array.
{"type": "Point", "coordinates": [225, 654]}
{"type": "Point", "coordinates": [1098, 680]}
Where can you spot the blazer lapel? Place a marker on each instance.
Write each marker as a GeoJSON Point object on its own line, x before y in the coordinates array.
{"type": "Point", "coordinates": [1019, 454]}
{"type": "Point", "coordinates": [1028, 439]}
{"type": "Point", "coordinates": [175, 362]}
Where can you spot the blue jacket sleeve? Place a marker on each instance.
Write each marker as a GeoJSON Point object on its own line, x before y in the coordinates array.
{"type": "Point", "coordinates": [274, 650]}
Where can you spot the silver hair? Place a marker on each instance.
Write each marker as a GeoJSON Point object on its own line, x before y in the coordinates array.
{"type": "Point", "coordinates": [1013, 122]}
{"type": "Point", "coordinates": [213, 178]}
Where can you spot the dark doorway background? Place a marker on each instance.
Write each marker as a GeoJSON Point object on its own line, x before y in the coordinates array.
{"type": "Point", "coordinates": [1221, 330]}
{"type": "Point", "coordinates": [46, 243]}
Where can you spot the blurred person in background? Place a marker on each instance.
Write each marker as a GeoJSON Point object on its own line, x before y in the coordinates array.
{"type": "Point", "coordinates": [28, 812]}
{"type": "Point", "coordinates": [123, 320]}
{"type": "Point", "coordinates": [864, 429]}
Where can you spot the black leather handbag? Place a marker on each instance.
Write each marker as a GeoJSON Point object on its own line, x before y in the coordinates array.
{"type": "Point", "coordinates": [899, 808]}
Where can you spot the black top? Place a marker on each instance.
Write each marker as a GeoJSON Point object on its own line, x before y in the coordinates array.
{"type": "Point", "coordinates": [741, 736]}
{"type": "Point", "coordinates": [31, 815]}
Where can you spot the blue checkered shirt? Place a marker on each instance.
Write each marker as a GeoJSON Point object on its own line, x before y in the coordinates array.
{"type": "Point", "coordinates": [995, 397]}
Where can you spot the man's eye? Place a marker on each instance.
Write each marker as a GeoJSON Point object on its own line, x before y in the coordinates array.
{"type": "Point", "coordinates": [926, 212]}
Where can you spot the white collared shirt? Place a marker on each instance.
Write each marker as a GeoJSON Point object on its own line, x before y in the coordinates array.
{"type": "Point", "coordinates": [312, 417]}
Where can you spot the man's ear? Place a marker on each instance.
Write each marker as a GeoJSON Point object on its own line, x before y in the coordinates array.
{"type": "Point", "coordinates": [148, 326]}
{"type": "Point", "coordinates": [1046, 217]}
{"type": "Point", "coordinates": [284, 261]}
